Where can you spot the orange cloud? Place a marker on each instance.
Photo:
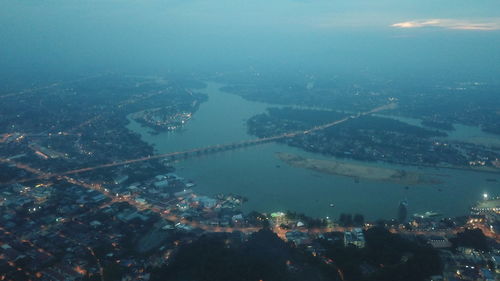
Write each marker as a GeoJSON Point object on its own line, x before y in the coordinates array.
{"type": "Point", "coordinates": [493, 24]}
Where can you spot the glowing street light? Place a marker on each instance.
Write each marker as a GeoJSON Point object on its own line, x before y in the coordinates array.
{"type": "Point", "coordinates": [485, 196]}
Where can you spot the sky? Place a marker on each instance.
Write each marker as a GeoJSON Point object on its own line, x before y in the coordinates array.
{"type": "Point", "coordinates": [152, 35]}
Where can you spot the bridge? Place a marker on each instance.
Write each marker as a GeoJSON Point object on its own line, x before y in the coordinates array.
{"type": "Point", "coordinates": [196, 152]}
{"type": "Point", "coordinates": [214, 148]}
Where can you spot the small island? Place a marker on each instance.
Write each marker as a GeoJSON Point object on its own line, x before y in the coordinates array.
{"type": "Point", "coordinates": [357, 171]}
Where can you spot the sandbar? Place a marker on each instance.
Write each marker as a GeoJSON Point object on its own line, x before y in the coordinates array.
{"type": "Point", "coordinates": [357, 171]}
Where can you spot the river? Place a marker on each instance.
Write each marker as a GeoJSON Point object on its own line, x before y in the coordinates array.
{"type": "Point", "coordinates": [271, 185]}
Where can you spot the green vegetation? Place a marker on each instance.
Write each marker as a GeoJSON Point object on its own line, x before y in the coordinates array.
{"type": "Point", "coordinates": [263, 257]}
{"type": "Point", "coordinates": [471, 238]}
{"type": "Point", "coordinates": [369, 138]}
{"type": "Point", "coordinates": [386, 257]}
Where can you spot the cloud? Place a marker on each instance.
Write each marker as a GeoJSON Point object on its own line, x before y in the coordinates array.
{"type": "Point", "coordinates": [493, 24]}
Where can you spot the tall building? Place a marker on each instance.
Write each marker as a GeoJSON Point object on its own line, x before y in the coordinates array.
{"type": "Point", "coordinates": [403, 211]}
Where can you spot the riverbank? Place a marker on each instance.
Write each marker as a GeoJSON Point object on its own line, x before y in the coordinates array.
{"type": "Point", "coordinates": [357, 171]}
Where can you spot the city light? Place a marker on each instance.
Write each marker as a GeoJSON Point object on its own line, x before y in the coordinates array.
{"type": "Point", "coordinates": [485, 196]}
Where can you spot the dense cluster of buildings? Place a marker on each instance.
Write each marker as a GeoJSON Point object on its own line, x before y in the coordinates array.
{"type": "Point", "coordinates": [163, 119]}
{"type": "Point", "coordinates": [55, 231]}
{"type": "Point", "coordinates": [60, 232]}
{"type": "Point", "coordinates": [127, 221]}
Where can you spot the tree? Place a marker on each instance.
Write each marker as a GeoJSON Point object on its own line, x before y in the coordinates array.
{"type": "Point", "coordinates": [471, 238]}
{"type": "Point", "coordinates": [256, 218]}
{"type": "Point", "coordinates": [264, 256]}
{"type": "Point", "coordinates": [112, 272]}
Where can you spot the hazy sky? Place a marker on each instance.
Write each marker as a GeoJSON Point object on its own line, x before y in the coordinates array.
{"type": "Point", "coordinates": [150, 34]}
{"type": "Point", "coordinates": [272, 14]}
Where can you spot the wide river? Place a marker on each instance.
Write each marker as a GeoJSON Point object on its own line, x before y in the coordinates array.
{"type": "Point", "coordinates": [271, 185]}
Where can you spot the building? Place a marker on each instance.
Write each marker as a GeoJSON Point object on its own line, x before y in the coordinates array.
{"type": "Point", "coordinates": [355, 237]}
{"type": "Point", "coordinates": [206, 202]}
{"type": "Point", "coordinates": [439, 242]}
{"type": "Point", "coordinates": [278, 218]}
{"type": "Point", "coordinates": [402, 211]}
{"type": "Point", "coordinates": [298, 237]}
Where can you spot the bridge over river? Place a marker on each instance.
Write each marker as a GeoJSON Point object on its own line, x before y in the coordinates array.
{"type": "Point", "coordinates": [217, 148]}
{"type": "Point", "coordinates": [231, 146]}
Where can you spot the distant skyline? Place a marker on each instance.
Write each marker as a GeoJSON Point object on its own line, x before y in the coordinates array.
{"type": "Point", "coordinates": [454, 14]}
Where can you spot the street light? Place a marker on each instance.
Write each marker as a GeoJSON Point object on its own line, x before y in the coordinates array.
{"type": "Point", "coordinates": [485, 196]}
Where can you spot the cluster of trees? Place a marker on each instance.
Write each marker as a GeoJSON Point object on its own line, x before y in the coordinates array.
{"type": "Point", "coordinates": [386, 257]}
{"type": "Point", "coordinates": [471, 238]}
{"type": "Point", "coordinates": [8, 173]}
{"type": "Point", "coordinates": [264, 256]}
{"type": "Point", "coordinates": [257, 219]}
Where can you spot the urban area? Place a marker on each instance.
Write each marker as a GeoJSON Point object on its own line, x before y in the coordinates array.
{"type": "Point", "coordinates": [84, 198]}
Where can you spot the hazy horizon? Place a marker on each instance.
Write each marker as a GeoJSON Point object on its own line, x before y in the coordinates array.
{"type": "Point", "coordinates": [450, 38]}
